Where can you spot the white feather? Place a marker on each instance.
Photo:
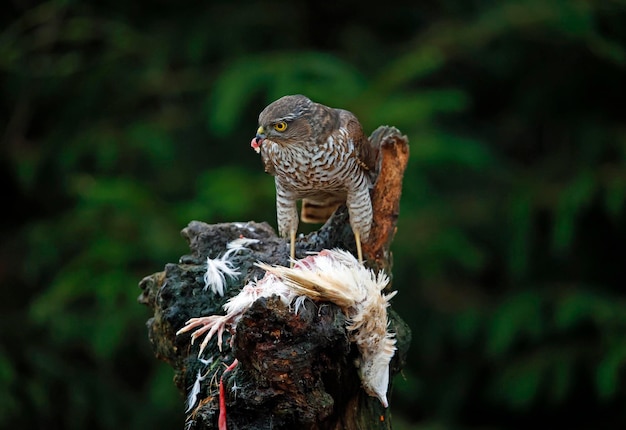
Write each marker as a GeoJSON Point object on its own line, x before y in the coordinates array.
{"type": "Point", "coordinates": [193, 393]}
{"type": "Point", "coordinates": [299, 303]}
{"type": "Point", "coordinates": [216, 271]}
{"type": "Point", "coordinates": [238, 245]}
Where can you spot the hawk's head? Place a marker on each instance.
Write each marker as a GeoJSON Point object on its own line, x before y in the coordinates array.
{"type": "Point", "coordinates": [286, 121]}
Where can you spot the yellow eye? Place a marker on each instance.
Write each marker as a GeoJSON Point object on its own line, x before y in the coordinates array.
{"type": "Point", "coordinates": [280, 126]}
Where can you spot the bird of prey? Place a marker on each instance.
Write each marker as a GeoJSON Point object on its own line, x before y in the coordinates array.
{"type": "Point", "coordinates": [318, 155]}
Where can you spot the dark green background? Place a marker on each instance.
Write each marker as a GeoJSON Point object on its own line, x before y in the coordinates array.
{"type": "Point", "coordinates": [124, 120]}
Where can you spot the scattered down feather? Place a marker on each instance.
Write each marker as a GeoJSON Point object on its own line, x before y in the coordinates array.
{"type": "Point", "coordinates": [334, 276]}
{"type": "Point", "coordinates": [217, 269]}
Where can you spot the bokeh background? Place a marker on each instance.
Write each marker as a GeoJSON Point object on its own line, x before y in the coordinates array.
{"type": "Point", "coordinates": [124, 120]}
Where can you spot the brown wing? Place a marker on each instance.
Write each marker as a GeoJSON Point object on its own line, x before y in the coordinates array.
{"type": "Point", "coordinates": [366, 152]}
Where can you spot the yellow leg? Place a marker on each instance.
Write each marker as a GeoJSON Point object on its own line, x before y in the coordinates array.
{"type": "Point", "coordinates": [359, 251]}
{"type": "Point", "coordinates": [292, 247]}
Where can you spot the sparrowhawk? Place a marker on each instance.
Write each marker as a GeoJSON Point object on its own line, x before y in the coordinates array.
{"type": "Point", "coordinates": [320, 155]}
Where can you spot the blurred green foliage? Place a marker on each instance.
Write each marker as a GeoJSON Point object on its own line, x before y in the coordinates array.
{"type": "Point", "coordinates": [123, 121]}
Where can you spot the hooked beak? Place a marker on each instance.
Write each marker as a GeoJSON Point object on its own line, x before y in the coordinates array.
{"type": "Point", "coordinates": [258, 139]}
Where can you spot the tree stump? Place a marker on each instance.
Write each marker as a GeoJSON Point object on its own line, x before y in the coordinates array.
{"type": "Point", "coordinates": [295, 370]}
